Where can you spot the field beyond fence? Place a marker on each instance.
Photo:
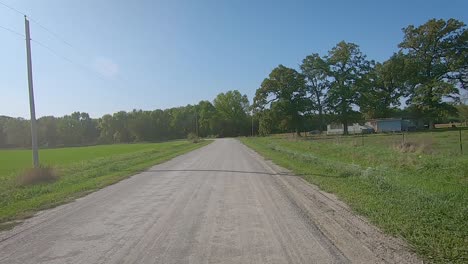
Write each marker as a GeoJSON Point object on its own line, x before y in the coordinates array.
{"type": "Point", "coordinates": [449, 141]}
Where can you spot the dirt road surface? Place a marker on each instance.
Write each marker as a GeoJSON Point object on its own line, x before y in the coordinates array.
{"type": "Point", "coordinates": [222, 203]}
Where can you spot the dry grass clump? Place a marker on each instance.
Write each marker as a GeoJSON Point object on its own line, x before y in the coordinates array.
{"type": "Point", "coordinates": [192, 137]}
{"type": "Point", "coordinates": [42, 174]}
{"type": "Point", "coordinates": [414, 147]}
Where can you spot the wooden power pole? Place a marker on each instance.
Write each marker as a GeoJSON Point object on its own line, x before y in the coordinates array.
{"type": "Point", "coordinates": [35, 152]}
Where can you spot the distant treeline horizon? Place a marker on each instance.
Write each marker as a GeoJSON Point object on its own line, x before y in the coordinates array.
{"type": "Point", "coordinates": [228, 116]}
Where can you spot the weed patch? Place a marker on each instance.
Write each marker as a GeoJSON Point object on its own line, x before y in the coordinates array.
{"type": "Point", "coordinates": [192, 137]}
{"type": "Point", "coordinates": [414, 147]}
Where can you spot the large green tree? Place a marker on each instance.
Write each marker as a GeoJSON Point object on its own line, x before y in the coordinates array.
{"type": "Point", "coordinates": [106, 129]}
{"type": "Point", "coordinates": [383, 87]}
{"type": "Point", "coordinates": [47, 131]}
{"type": "Point", "coordinates": [77, 129]}
{"type": "Point", "coordinates": [232, 108]}
{"type": "Point", "coordinates": [207, 118]}
{"type": "Point", "coordinates": [183, 121]}
{"type": "Point", "coordinates": [140, 125]}
{"type": "Point", "coordinates": [18, 132]}
{"type": "Point", "coordinates": [438, 51]}
{"type": "Point", "coordinates": [265, 126]}
{"type": "Point", "coordinates": [161, 129]}
{"type": "Point", "coordinates": [315, 70]}
{"type": "Point", "coordinates": [284, 91]}
{"type": "Point", "coordinates": [348, 68]}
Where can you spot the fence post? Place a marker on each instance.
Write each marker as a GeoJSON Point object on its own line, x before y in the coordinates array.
{"type": "Point", "coordinates": [404, 140]}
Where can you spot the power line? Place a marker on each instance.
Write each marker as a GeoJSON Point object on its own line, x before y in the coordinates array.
{"type": "Point", "coordinates": [52, 33]}
{"type": "Point", "coordinates": [78, 65]}
{"type": "Point", "coordinates": [52, 51]}
{"type": "Point", "coordinates": [12, 31]}
{"type": "Point", "coordinates": [12, 8]}
{"type": "Point", "coordinates": [58, 37]}
{"type": "Point", "coordinates": [55, 35]}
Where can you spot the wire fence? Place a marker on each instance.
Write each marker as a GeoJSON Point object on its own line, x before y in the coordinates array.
{"type": "Point", "coordinates": [442, 141]}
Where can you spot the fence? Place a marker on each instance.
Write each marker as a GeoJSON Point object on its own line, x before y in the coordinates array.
{"type": "Point", "coordinates": [448, 141]}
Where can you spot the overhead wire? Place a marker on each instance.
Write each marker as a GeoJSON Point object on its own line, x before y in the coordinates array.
{"type": "Point", "coordinates": [12, 31]}
{"type": "Point", "coordinates": [55, 53]}
{"type": "Point", "coordinates": [56, 36]}
{"type": "Point", "coordinates": [52, 33]}
{"type": "Point", "coordinates": [12, 8]}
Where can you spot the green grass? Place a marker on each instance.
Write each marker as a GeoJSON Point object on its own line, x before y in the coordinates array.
{"type": "Point", "coordinates": [421, 196]}
{"type": "Point", "coordinates": [82, 170]}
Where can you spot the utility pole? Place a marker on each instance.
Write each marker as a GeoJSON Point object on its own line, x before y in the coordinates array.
{"type": "Point", "coordinates": [196, 123]}
{"type": "Point", "coordinates": [252, 125]}
{"type": "Point", "coordinates": [35, 153]}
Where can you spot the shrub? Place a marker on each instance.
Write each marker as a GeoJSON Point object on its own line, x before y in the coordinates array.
{"type": "Point", "coordinates": [42, 174]}
{"type": "Point", "coordinates": [192, 137]}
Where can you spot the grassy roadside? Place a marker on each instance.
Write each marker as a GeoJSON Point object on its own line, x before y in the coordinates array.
{"type": "Point", "coordinates": [421, 196]}
{"type": "Point", "coordinates": [95, 167]}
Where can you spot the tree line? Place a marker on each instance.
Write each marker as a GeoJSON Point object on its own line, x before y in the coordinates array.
{"type": "Point", "coordinates": [227, 116]}
{"type": "Point", "coordinates": [428, 72]}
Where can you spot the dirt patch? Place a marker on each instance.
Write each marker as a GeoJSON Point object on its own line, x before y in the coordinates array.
{"type": "Point", "coordinates": [43, 174]}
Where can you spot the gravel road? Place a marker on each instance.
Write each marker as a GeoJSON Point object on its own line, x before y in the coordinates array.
{"type": "Point", "coordinates": [222, 203]}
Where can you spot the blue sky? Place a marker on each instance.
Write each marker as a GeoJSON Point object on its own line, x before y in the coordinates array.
{"type": "Point", "coordinates": [159, 54]}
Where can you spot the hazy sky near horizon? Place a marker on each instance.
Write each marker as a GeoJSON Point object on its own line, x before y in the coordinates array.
{"type": "Point", "coordinates": [158, 54]}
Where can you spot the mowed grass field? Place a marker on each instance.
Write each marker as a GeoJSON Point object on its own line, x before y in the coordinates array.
{"type": "Point", "coordinates": [81, 169]}
{"type": "Point", "coordinates": [417, 191]}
